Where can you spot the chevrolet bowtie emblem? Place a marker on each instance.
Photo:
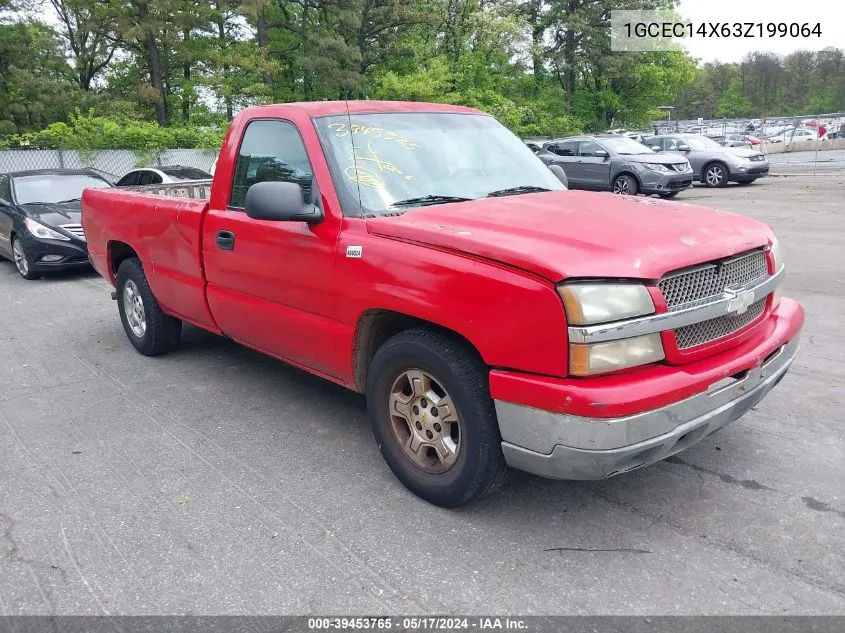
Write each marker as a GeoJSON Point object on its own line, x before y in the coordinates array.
{"type": "Point", "coordinates": [738, 300]}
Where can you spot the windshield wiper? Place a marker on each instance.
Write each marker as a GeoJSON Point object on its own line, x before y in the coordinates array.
{"type": "Point", "coordinates": [429, 199]}
{"type": "Point", "coordinates": [514, 190]}
{"type": "Point", "coordinates": [68, 200]}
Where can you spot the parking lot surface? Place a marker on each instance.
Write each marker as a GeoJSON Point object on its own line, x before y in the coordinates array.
{"type": "Point", "coordinates": [218, 481]}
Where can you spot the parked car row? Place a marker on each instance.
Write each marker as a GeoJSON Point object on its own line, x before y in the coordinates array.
{"type": "Point", "coordinates": [40, 213]}
{"type": "Point", "coordinates": [664, 164]}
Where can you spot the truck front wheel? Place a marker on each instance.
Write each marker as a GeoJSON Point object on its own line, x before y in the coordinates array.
{"type": "Point", "coordinates": [433, 418]}
{"type": "Point", "coordinates": [150, 330]}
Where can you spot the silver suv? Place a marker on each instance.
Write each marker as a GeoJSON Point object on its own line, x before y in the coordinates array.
{"type": "Point", "coordinates": [615, 163]}
{"type": "Point", "coordinates": [713, 164]}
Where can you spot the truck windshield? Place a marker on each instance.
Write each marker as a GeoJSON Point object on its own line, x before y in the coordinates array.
{"type": "Point", "coordinates": [389, 163]}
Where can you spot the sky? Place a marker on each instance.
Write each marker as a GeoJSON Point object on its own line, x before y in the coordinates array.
{"type": "Point", "coordinates": [830, 13]}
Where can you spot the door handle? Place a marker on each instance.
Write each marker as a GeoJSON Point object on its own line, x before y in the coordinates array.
{"type": "Point", "coordinates": [225, 240]}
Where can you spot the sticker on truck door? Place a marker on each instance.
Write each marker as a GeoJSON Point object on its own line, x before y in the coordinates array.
{"type": "Point", "coordinates": [354, 252]}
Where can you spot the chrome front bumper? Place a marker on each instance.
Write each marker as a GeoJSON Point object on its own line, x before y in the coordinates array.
{"type": "Point", "coordinates": [571, 447]}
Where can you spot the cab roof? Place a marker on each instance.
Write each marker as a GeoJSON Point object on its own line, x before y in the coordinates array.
{"type": "Point", "coordinates": [329, 108]}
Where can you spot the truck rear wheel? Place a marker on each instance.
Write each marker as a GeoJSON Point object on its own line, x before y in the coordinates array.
{"type": "Point", "coordinates": [433, 418]}
{"type": "Point", "coordinates": [150, 330]}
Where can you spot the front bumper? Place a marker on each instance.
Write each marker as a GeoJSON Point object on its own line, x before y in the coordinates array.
{"type": "Point", "coordinates": [752, 169]}
{"type": "Point", "coordinates": [657, 182]}
{"type": "Point", "coordinates": [73, 253]}
{"type": "Point", "coordinates": [565, 446]}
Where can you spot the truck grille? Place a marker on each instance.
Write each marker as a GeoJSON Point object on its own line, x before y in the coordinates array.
{"type": "Point", "coordinates": [713, 329]}
{"type": "Point", "coordinates": [75, 229]}
{"type": "Point", "coordinates": [708, 282]}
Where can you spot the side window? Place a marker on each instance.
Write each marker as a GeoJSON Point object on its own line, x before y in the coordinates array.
{"type": "Point", "coordinates": [671, 143]}
{"type": "Point", "coordinates": [653, 142]}
{"type": "Point", "coordinates": [149, 178]}
{"type": "Point", "coordinates": [5, 188]}
{"type": "Point", "coordinates": [565, 149]}
{"type": "Point", "coordinates": [589, 148]}
{"type": "Point", "coordinates": [270, 150]}
{"type": "Point", "coordinates": [129, 180]}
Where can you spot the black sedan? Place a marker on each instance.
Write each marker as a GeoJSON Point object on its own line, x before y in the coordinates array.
{"type": "Point", "coordinates": [41, 219]}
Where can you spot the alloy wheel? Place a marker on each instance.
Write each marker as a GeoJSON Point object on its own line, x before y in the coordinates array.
{"type": "Point", "coordinates": [20, 258]}
{"type": "Point", "coordinates": [133, 306]}
{"type": "Point", "coordinates": [715, 175]}
{"type": "Point", "coordinates": [424, 421]}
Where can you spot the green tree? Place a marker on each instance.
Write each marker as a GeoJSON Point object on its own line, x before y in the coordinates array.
{"type": "Point", "coordinates": [90, 32]}
{"type": "Point", "coordinates": [733, 102]}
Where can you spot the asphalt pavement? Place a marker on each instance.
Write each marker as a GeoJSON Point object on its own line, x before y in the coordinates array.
{"type": "Point", "coordinates": [219, 481]}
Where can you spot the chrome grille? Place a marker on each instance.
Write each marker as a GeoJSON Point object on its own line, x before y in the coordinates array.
{"type": "Point", "coordinates": [679, 167]}
{"type": "Point", "coordinates": [708, 282]}
{"type": "Point", "coordinates": [75, 229]}
{"type": "Point", "coordinates": [706, 331]}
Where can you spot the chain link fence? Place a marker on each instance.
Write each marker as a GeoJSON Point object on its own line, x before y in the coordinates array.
{"type": "Point", "coordinates": [112, 163]}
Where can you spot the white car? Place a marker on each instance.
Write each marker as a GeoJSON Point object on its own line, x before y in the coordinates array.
{"type": "Point", "coordinates": [158, 175]}
{"type": "Point", "coordinates": [794, 136]}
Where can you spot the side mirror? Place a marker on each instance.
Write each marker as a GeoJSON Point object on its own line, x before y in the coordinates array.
{"type": "Point", "coordinates": [557, 170]}
{"type": "Point", "coordinates": [656, 148]}
{"type": "Point", "coordinates": [683, 148]}
{"type": "Point", "coordinates": [280, 202]}
{"type": "Point", "coordinates": [600, 153]}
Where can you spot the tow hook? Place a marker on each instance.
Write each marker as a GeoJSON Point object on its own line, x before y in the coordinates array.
{"type": "Point", "coordinates": [114, 295]}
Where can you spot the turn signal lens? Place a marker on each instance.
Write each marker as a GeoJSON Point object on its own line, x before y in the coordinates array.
{"type": "Point", "coordinates": [598, 358]}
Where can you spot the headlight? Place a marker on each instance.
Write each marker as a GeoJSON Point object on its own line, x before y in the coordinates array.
{"type": "Point", "coordinates": [588, 303]}
{"type": "Point", "coordinates": [598, 358]}
{"type": "Point", "coordinates": [777, 260]}
{"type": "Point", "coordinates": [42, 232]}
{"type": "Point", "coordinates": [657, 167]}
{"type": "Point", "coordinates": [777, 254]}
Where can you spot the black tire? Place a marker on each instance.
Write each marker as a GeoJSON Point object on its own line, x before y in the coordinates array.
{"type": "Point", "coordinates": [669, 194]}
{"type": "Point", "coordinates": [24, 267]}
{"type": "Point", "coordinates": [480, 466]}
{"type": "Point", "coordinates": [625, 185]}
{"type": "Point", "coordinates": [715, 175]}
{"type": "Point", "coordinates": [162, 332]}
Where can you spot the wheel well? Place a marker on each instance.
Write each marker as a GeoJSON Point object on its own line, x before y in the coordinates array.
{"type": "Point", "coordinates": [628, 173]}
{"type": "Point", "coordinates": [118, 252]}
{"type": "Point", "coordinates": [376, 326]}
{"type": "Point", "coordinates": [710, 164]}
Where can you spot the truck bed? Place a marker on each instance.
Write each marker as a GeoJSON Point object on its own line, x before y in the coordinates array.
{"type": "Point", "coordinates": [195, 189]}
{"type": "Point", "coordinates": [163, 225]}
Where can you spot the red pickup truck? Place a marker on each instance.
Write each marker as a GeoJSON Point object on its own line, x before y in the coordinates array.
{"type": "Point", "coordinates": [423, 255]}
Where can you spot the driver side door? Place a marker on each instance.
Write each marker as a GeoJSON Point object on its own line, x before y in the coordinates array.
{"type": "Point", "coordinates": [270, 284]}
{"type": "Point", "coordinates": [595, 170]}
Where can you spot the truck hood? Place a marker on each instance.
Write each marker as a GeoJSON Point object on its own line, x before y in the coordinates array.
{"type": "Point", "coordinates": [565, 234]}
